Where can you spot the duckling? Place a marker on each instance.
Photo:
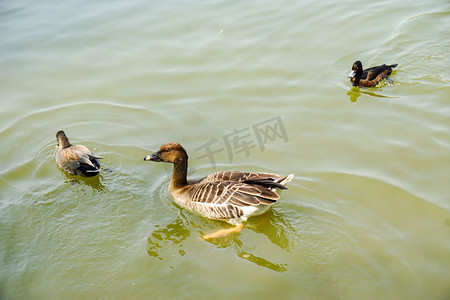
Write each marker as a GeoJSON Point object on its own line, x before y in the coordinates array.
{"type": "Point", "coordinates": [230, 196]}
{"type": "Point", "coordinates": [369, 77]}
{"type": "Point", "coordinates": [75, 159]}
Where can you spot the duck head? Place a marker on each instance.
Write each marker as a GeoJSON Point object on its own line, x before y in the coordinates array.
{"type": "Point", "coordinates": [169, 152]}
{"type": "Point", "coordinates": [63, 141]}
{"type": "Point", "coordinates": [357, 70]}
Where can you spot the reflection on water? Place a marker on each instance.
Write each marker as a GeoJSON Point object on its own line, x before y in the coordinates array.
{"type": "Point", "coordinates": [173, 234]}
{"type": "Point", "coordinates": [355, 92]}
{"type": "Point", "coordinates": [271, 224]}
{"type": "Point", "coordinates": [95, 182]}
{"type": "Point", "coordinates": [237, 245]}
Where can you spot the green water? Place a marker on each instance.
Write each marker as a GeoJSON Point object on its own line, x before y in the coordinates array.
{"type": "Point", "coordinates": [262, 85]}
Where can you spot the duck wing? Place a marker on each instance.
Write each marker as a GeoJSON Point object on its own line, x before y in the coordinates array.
{"type": "Point", "coordinates": [68, 160]}
{"type": "Point", "coordinates": [372, 73]}
{"type": "Point", "coordinates": [227, 199]}
{"type": "Point", "coordinates": [74, 157]}
{"type": "Point", "coordinates": [86, 151]}
{"type": "Point", "coordinates": [264, 179]}
{"type": "Point", "coordinates": [78, 160]}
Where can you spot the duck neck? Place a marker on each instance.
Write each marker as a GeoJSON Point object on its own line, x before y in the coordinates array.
{"type": "Point", "coordinates": [64, 143]}
{"type": "Point", "coordinates": [179, 175]}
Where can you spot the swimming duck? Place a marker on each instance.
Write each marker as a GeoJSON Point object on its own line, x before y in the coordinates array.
{"type": "Point", "coordinates": [230, 196]}
{"type": "Point", "coordinates": [369, 77]}
{"type": "Point", "coordinates": [77, 159]}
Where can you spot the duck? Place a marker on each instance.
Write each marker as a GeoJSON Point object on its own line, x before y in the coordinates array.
{"type": "Point", "coordinates": [230, 196]}
{"type": "Point", "coordinates": [369, 77]}
{"type": "Point", "coordinates": [76, 159]}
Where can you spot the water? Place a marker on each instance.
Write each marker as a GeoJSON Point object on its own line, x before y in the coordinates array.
{"type": "Point", "coordinates": [366, 217]}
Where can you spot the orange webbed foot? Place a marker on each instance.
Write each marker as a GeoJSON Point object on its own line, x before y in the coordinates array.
{"type": "Point", "coordinates": [222, 232]}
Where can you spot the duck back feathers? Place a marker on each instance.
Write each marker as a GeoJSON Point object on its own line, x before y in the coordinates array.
{"type": "Point", "coordinates": [75, 159]}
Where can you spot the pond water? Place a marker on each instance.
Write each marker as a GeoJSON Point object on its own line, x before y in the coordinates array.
{"type": "Point", "coordinates": [248, 85]}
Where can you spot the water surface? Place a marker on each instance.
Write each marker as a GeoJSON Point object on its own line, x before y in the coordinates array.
{"type": "Point", "coordinates": [262, 85]}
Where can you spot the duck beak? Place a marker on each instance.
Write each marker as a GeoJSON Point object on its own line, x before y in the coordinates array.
{"type": "Point", "coordinates": [153, 157]}
{"type": "Point", "coordinates": [352, 74]}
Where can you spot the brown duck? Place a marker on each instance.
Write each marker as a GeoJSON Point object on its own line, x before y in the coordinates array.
{"type": "Point", "coordinates": [75, 159]}
{"type": "Point", "coordinates": [230, 196]}
{"type": "Point", "coordinates": [369, 77]}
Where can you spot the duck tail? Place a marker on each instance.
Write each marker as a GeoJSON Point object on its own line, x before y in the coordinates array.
{"type": "Point", "coordinates": [286, 179]}
{"type": "Point", "coordinates": [281, 183]}
{"type": "Point", "coordinates": [268, 183]}
{"type": "Point", "coordinates": [272, 184]}
{"type": "Point", "coordinates": [393, 66]}
{"type": "Point", "coordinates": [92, 156]}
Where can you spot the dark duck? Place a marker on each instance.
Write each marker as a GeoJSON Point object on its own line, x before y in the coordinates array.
{"type": "Point", "coordinates": [369, 77]}
{"type": "Point", "coordinates": [75, 159]}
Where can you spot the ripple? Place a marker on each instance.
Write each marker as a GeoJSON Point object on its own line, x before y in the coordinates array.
{"type": "Point", "coordinates": [362, 210]}
{"type": "Point", "coordinates": [27, 132]}
{"type": "Point", "coordinates": [421, 57]}
{"type": "Point", "coordinates": [367, 213]}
